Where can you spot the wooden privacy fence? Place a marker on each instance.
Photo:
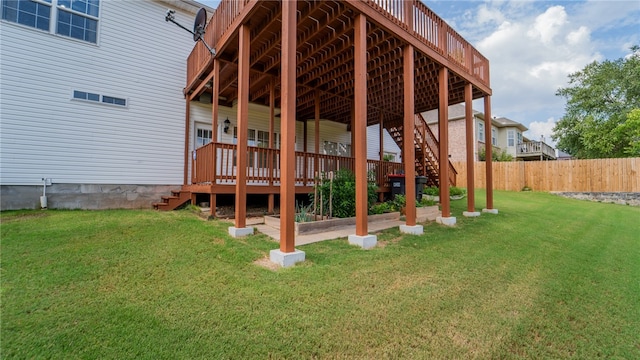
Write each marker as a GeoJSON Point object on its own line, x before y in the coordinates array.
{"type": "Point", "coordinates": [596, 175]}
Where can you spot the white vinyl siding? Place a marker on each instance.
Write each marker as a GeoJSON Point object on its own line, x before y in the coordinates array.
{"type": "Point", "coordinates": [77, 141]}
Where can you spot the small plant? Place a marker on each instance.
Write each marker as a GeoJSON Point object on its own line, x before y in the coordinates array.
{"type": "Point", "coordinates": [380, 208]}
{"type": "Point", "coordinates": [398, 202]}
{"type": "Point", "coordinates": [303, 213]}
{"type": "Point", "coordinates": [526, 188]}
{"type": "Point", "coordinates": [425, 202]}
{"type": "Point", "coordinates": [431, 191]}
{"type": "Point", "coordinates": [456, 191]}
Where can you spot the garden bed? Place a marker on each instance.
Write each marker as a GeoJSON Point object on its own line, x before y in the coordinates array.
{"type": "Point", "coordinates": [313, 227]}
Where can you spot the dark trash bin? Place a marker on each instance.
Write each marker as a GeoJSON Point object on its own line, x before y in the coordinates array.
{"type": "Point", "coordinates": [421, 181]}
{"type": "Point", "coordinates": [396, 181]}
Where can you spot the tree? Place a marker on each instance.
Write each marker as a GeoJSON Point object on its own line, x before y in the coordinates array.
{"type": "Point", "coordinates": [602, 113]}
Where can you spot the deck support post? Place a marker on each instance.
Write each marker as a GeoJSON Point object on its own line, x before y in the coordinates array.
{"type": "Point", "coordinates": [408, 147]}
{"type": "Point", "coordinates": [214, 126]}
{"type": "Point", "coordinates": [187, 123]}
{"type": "Point", "coordinates": [272, 118]}
{"type": "Point", "coordinates": [316, 165]}
{"type": "Point", "coordinates": [443, 137]}
{"type": "Point", "coordinates": [488, 155]}
{"type": "Point", "coordinates": [359, 134]}
{"type": "Point", "coordinates": [381, 145]}
{"type": "Point", "coordinates": [240, 228]}
{"type": "Point", "coordinates": [468, 113]}
{"type": "Point", "coordinates": [287, 255]}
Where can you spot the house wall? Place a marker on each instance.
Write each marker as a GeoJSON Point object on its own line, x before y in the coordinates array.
{"type": "Point", "coordinates": [458, 138]}
{"type": "Point", "coordinates": [89, 149]}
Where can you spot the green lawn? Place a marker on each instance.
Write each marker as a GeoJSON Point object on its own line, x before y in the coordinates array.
{"type": "Point", "coordinates": [547, 277]}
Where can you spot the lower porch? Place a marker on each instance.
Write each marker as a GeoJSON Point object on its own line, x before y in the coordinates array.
{"type": "Point", "coordinates": [214, 171]}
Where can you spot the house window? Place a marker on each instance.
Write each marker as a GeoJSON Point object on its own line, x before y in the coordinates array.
{"type": "Point", "coordinates": [519, 138]}
{"type": "Point", "coordinates": [336, 149]}
{"type": "Point", "coordinates": [82, 95]}
{"type": "Point", "coordinates": [389, 156]}
{"type": "Point", "coordinates": [76, 19]}
{"type": "Point", "coordinates": [511, 138]}
{"type": "Point", "coordinates": [36, 14]}
{"type": "Point", "coordinates": [114, 100]}
{"type": "Point", "coordinates": [203, 137]}
{"type": "Point", "coordinates": [494, 137]}
{"type": "Point", "coordinates": [480, 132]}
{"type": "Point", "coordinates": [257, 138]}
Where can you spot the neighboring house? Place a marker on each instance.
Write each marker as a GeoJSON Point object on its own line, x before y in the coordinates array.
{"type": "Point", "coordinates": [91, 98]}
{"type": "Point", "coordinates": [506, 135]}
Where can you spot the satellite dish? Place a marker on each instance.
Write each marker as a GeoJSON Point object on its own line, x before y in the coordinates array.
{"type": "Point", "coordinates": [199, 24]}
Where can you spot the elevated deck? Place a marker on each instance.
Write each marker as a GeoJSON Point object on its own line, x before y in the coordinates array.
{"type": "Point", "coordinates": [325, 56]}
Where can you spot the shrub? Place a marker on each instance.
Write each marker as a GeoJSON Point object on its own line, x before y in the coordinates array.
{"type": "Point", "coordinates": [499, 156]}
{"type": "Point", "coordinates": [431, 190]}
{"type": "Point", "coordinates": [380, 208]}
{"type": "Point", "coordinates": [456, 191]}
{"type": "Point", "coordinates": [343, 194]}
{"type": "Point", "coordinates": [425, 202]}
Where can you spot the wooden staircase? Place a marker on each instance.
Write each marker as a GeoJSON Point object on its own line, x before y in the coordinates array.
{"type": "Point", "coordinates": [426, 147]}
{"type": "Point", "coordinates": [177, 199]}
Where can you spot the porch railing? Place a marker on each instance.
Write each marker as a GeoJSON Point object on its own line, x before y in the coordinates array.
{"type": "Point", "coordinates": [413, 16]}
{"type": "Point", "coordinates": [429, 139]}
{"type": "Point", "coordinates": [535, 148]}
{"type": "Point", "coordinates": [215, 163]}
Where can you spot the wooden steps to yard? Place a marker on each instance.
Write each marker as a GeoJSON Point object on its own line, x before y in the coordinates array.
{"type": "Point", "coordinates": [177, 199]}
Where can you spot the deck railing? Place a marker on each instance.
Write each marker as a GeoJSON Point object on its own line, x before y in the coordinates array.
{"type": "Point", "coordinates": [432, 143]}
{"type": "Point", "coordinates": [215, 163]}
{"type": "Point", "coordinates": [412, 15]}
{"type": "Point", "coordinates": [535, 148]}
{"type": "Point", "coordinates": [224, 15]}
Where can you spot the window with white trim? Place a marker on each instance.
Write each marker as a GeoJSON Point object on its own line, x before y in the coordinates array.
{"type": "Point", "coordinates": [511, 138]}
{"type": "Point", "coordinates": [519, 138]}
{"type": "Point", "coordinates": [203, 137]}
{"type": "Point", "coordinates": [480, 132]}
{"type": "Point", "coordinates": [336, 149]}
{"type": "Point", "coordinates": [494, 136]}
{"type": "Point", "coordinates": [257, 138]}
{"type": "Point", "coordinates": [76, 19]}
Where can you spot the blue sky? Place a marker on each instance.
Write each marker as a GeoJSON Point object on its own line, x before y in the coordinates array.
{"type": "Point", "coordinates": [534, 45]}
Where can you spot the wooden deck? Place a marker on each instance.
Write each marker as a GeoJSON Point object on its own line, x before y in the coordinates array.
{"type": "Point", "coordinates": [325, 56]}
{"type": "Point", "coordinates": [535, 150]}
{"type": "Point", "coordinates": [357, 63]}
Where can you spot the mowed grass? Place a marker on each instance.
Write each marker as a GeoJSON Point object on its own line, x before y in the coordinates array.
{"type": "Point", "coordinates": [547, 277]}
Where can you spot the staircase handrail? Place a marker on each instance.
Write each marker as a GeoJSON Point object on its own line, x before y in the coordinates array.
{"type": "Point", "coordinates": [433, 144]}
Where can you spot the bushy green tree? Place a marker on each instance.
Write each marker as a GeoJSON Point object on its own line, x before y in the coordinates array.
{"type": "Point", "coordinates": [601, 116]}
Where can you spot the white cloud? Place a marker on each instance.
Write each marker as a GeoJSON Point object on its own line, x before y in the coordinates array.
{"type": "Point", "coordinates": [548, 24]}
{"type": "Point", "coordinates": [539, 128]}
